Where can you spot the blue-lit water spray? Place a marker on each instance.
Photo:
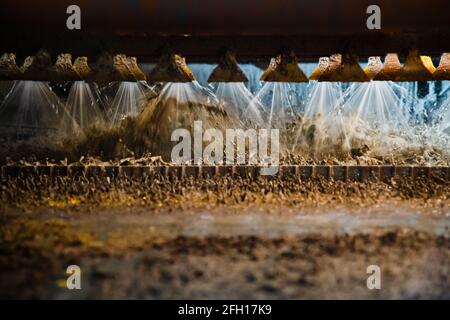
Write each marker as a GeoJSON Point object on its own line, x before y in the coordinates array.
{"type": "Point", "coordinates": [179, 106]}
{"type": "Point", "coordinates": [32, 109]}
{"type": "Point", "coordinates": [314, 119]}
{"type": "Point", "coordinates": [129, 100]}
{"type": "Point", "coordinates": [85, 105]}
{"type": "Point", "coordinates": [315, 126]}
{"type": "Point", "coordinates": [239, 103]}
{"type": "Point", "coordinates": [282, 102]}
{"type": "Point", "coordinates": [377, 114]}
{"type": "Point", "coordinates": [438, 133]}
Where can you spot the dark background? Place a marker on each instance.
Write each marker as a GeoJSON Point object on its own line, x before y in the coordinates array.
{"type": "Point", "coordinates": [199, 29]}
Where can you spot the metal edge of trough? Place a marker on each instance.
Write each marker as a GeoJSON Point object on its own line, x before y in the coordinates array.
{"type": "Point", "coordinates": [336, 172]}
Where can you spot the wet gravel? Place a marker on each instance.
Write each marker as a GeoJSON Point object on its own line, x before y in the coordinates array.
{"type": "Point", "coordinates": [224, 239]}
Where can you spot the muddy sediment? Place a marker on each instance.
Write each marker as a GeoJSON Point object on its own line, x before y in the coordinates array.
{"type": "Point", "coordinates": [68, 192]}
{"type": "Point", "coordinates": [131, 257]}
{"type": "Point", "coordinates": [264, 238]}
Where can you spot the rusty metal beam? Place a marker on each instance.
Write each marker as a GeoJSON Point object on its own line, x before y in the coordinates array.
{"type": "Point", "coordinates": [210, 48]}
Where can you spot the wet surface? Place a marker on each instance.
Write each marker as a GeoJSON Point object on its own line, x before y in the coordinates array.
{"type": "Point", "coordinates": [331, 223]}
{"type": "Point", "coordinates": [269, 222]}
{"type": "Point", "coordinates": [226, 252]}
{"type": "Point", "coordinates": [224, 238]}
